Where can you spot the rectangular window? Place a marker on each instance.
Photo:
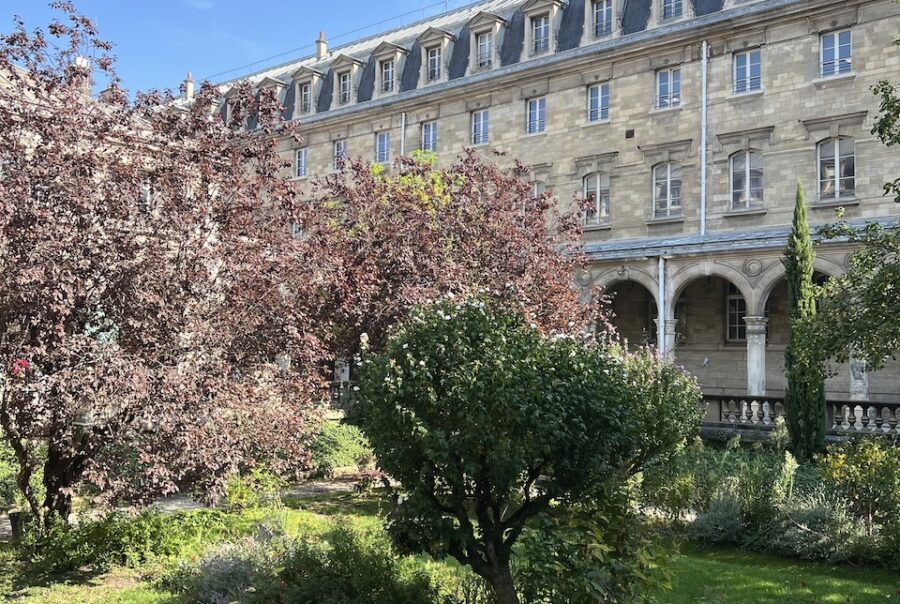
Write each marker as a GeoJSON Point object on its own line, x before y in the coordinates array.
{"type": "Point", "coordinates": [434, 64]}
{"type": "Point", "coordinates": [382, 147]}
{"type": "Point", "coordinates": [540, 33]}
{"type": "Point", "coordinates": [598, 103]}
{"type": "Point", "coordinates": [735, 310]}
{"type": "Point", "coordinates": [536, 115]}
{"type": "Point", "coordinates": [485, 49]}
{"type": "Point", "coordinates": [340, 153]}
{"type": "Point", "coordinates": [301, 164]}
{"type": "Point", "coordinates": [596, 195]}
{"type": "Point", "coordinates": [387, 76]}
{"type": "Point", "coordinates": [747, 71]}
{"type": "Point", "coordinates": [305, 98]}
{"type": "Point", "coordinates": [480, 127]}
{"type": "Point", "coordinates": [672, 8]}
{"type": "Point", "coordinates": [429, 137]}
{"type": "Point", "coordinates": [603, 15]}
{"type": "Point", "coordinates": [836, 53]}
{"type": "Point", "coordinates": [345, 88]}
{"type": "Point", "coordinates": [668, 88]}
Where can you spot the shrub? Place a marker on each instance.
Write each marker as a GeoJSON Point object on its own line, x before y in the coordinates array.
{"type": "Point", "coordinates": [122, 539]}
{"type": "Point", "coordinates": [588, 554]}
{"type": "Point", "coordinates": [341, 567]}
{"type": "Point", "coordinates": [720, 523]}
{"type": "Point", "coordinates": [339, 445]}
{"type": "Point", "coordinates": [867, 472]}
{"type": "Point", "coordinates": [817, 526]}
{"type": "Point", "coordinates": [256, 489]}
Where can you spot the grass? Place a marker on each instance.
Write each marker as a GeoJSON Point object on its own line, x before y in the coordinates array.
{"type": "Point", "coordinates": [701, 575]}
{"type": "Point", "coordinates": [725, 575]}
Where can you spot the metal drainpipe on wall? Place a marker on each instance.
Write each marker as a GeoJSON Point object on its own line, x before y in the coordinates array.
{"type": "Point", "coordinates": [704, 63]}
{"type": "Point", "coordinates": [661, 308]}
{"type": "Point", "coordinates": [402, 134]}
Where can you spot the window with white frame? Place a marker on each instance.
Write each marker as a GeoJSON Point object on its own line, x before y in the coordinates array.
{"type": "Point", "coordinates": [747, 71]}
{"type": "Point", "coordinates": [305, 97]}
{"type": "Point", "coordinates": [485, 48]}
{"type": "Point", "coordinates": [382, 147]}
{"type": "Point", "coordinates": [429, 136]}
{"type": "Point", "coordinates": [301, 165]}
{"type": "Point", "coordinates": [480, 127]}
{"type": "Point", "coordinates": [598, 103]}
{"type": "Point", "coordinates": [345, 87]}
{"type": "Point", "coordinates": [746, 180]}
{"type": "Point", "coordinates": [603, 16]}
{"type": "Point", "coordinates": [540, 33]}
{"type": "Point", "coordinates": [672, 8]}
{"type": "Point", "coordinates": [536, 114]}
{"type": "Point", "coordinates": [667, 190]}
{"type": "Point", "coordinates": [735, 311]}
{"type": "Point", "coordinates": [538, 188]}
{"type": "Point", "coordinates": [596, 197]}
{"type": "Point", "coordinates": [387, 76]}
{"type": "Point", "coordinates": [836, 53]}
{"type": "Point", "coordinates": [837, 169]}
{"type": "Point", "coordinates": [340, 153]}
{"type": "Point", "coordinates": [434, 63]}
{"type": "Point", "coordinates": [668, 88]}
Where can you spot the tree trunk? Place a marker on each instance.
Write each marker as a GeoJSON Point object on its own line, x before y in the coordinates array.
{"type": "Point", "coordinates": [502, 583]}
{"type": "Point", "coordinates": [61, 472]}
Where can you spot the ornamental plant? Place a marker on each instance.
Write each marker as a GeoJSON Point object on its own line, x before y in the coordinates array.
{"type": "Point", "coordinates": [148, 281]}
{"type": "Point", "coordinates": [485, 422]}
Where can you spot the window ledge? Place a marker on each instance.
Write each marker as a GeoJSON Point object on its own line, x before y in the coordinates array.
{"type": "Point", "coordinates": [301, 177]}
{"type": "Point", "coordinates": [835, 203]}
{"type": "Point", "coordinates": [665, 220]}
{"type": "Point", "coordinates": [746, 96]}
{"type": "Point", "coordinates": [822, 81]}
{"type": "Point", "coordinates": [588, 124]}
{"type": "Point", "coordinates": [479, 145]}
{"type": "Point", "coordinates": [667, 110]}
{"type": "Point", "coordinates": [534, 134]}
{"type": "Point", "coordinates": [596, 227]}
{"type": "Point", "coordinates": [748, 212]}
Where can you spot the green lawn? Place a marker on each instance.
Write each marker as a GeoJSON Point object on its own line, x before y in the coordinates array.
{"type": "Point", "coordinates": [706, 576]}
{"type": "Point", "coordinates": [720, 576]}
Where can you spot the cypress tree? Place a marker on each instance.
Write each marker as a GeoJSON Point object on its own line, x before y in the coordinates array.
{"type": "Point", "coordinates": [804, 400]}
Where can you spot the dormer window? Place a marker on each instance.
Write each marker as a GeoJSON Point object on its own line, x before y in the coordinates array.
{"type": "Point", "coordinates": [387, 76]}
{"type": "Point", "coordinates": [305, 94]}
{"type": "Point", "coordinates": [672, 9]}
{"type": "Point", "coordinates": [434, 63]}
{"type": "Point", "coordinates": [540, 33]}
{"type": "Point", "coordinates": [345, 87]}
{"type": "Point", "coordinates": [603, 17]}
{"type": "Point", "coordinates": [485, 45]}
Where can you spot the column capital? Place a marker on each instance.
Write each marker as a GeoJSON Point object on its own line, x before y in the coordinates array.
{"type": "Point", "coordinates": [756, 325]}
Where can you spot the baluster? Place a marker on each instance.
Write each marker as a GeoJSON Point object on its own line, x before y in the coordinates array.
{"type": "Point", "coordinates": [754, 412]}
{"type": "Point", "coordinates": [845, 414]}
{"type": "Point", "coordinates": [732, 411]}
{"type": "Point", "coordinates": [834, 417]}
{"type": "Point", "coordinates": [858, 418]}
{"type": "Point", "coordinates": [779, 409]}
{"type": "Point", "coordinates": [897, 420]}
{"type": "Point", "coordinates": [886, 420]}
{"type": "Point", "coordinates": [873, 424]}
{"type": "Point", "coordinates": [744, 408]}
{"type": "Point", "coordinates": [766, 413]}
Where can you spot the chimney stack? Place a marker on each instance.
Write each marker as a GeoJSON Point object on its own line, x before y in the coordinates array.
{"type": "Point", "coordinates": [187, 87]}
{"type": "Point", "coordinates": [81, 75]}
{"type": "Point", "coordinates": [321, 46]}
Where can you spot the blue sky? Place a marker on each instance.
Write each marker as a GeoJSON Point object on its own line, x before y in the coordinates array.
{"type": "Point", "coordinates": [158, 41]}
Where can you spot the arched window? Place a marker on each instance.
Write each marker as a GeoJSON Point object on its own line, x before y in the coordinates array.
{"type": "Point", "coordinates": [596, 195]}
{"type": "Point", "coordinates": [746, 180]}
{"type": "Point", "coordinates": [667, 190]}
{"type": "Point", "coordinates": [837, 169]}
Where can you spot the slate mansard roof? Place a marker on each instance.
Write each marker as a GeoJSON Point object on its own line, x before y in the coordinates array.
{"type": "Point", "coordinates": [634, 20]}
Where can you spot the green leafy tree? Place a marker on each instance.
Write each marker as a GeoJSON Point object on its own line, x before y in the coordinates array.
{"type": "Point", "coordinates": [486, 423]}
{"type": "Point", "coordinates": [804, 399]}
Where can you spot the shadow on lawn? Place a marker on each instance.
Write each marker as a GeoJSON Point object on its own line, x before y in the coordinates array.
{"type": "Point", "coordinates": [338, 504]}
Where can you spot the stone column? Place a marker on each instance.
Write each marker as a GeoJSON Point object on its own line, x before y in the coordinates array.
{"type": "Point", "coordinates": [859, 378]}
{"type": "Point", "coordinates": [756, 355]}
{"type": "Point", "coordinates": [669, 332]}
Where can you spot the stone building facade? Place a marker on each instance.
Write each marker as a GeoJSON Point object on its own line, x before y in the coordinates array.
{"type": "Point", "coordinates": [687, 123]}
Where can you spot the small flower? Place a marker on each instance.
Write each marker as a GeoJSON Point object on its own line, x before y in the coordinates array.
{"type": "Point", "coordinates": [20, 368]}
{"type": "Point", "coordinates": [422, 363]}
